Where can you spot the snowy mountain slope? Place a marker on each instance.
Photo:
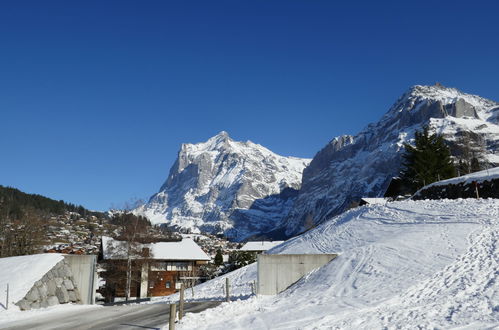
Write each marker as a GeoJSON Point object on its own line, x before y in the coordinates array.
{"type": "Point", "coordinates": [352, 167]}
{"type": "Point", "coordinates": [225, 186]}
{"type": "Point", "coordinates": [405, 265]}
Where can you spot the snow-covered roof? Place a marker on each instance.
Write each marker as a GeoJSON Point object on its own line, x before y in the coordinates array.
{"type": "Point", "coordinates": [259, 245]}
{"type": "Point", "coordinates": [186, 249]}
{"type": "Point", "coordinates": [369, 200]}
{"type": "Point", "coordinates": [21, 273]}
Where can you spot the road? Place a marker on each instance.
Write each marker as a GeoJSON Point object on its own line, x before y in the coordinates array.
{"type": "Point", "coordinates": [150, 316]}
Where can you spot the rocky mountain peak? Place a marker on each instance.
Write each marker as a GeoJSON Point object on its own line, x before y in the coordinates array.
{"type": "Point", "coordinates": [349, 168]}
{"type": "Point", "coordinates": [226, 186]}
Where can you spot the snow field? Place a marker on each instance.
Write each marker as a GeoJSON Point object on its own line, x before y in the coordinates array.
{"type": "Point", "coordinates": [426, 264]}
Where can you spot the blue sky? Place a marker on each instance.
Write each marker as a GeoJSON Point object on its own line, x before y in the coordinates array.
{"type": "Point", "coordinates": [97, 96]}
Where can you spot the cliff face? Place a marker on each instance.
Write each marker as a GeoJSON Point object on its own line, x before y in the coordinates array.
{"type": "Point", "coordinates": [351, 167]}
{"type": "Point", "coordinates": [227, 187]}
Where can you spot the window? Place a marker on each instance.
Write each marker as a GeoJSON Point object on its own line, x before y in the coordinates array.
{"type": "Point", "coordinates": [158, 266]}
{"type": "Point", "coordinates": [168, 284]}
{"type": "Point", "coordinates": [181, 266]}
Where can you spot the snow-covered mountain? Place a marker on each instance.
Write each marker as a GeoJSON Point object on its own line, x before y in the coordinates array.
{"type": "Point", "coordinates": [351, 167]}
{"type": "Point", "coordinates": [225, 186]}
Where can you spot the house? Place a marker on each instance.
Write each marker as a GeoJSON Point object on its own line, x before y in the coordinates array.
{"type": "Point", "coordinates": [259, 246]}
{"type": "Point", "coordinates": [158, 269]}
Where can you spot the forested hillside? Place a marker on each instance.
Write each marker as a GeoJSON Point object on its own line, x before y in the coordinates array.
{"type": "Point", "coordinates": [31, 223]}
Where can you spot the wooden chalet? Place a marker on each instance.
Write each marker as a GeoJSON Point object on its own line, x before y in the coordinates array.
{"type": "Point", "coordinates": [158, 271]}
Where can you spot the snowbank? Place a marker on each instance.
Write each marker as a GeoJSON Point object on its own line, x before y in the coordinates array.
{"type": "Point", "coordinates": [404, 265]}
{"type": "Point", "coordinates": [22, 272]}
{"type": "Point", "coordinates": [481, 176]}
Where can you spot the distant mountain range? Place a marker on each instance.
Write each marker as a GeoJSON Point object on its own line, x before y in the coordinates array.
{"type": "Point", "coordinates": [242, 189]}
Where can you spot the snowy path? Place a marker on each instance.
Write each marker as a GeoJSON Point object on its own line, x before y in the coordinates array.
{"type": "Point", "coordinates": [427, 264]}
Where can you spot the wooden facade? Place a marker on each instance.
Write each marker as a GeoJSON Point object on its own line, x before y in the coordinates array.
{"type": "Point", "coordinates": [159, 271]}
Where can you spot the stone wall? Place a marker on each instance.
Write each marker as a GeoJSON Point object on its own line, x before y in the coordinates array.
{"type": "Point", "coordinates": [486, 189]}
{"type": "Point", "coordinates": [57, 286]}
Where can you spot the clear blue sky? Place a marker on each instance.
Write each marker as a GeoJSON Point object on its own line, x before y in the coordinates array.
{"type": "Point", "coordinates": [97, 96]}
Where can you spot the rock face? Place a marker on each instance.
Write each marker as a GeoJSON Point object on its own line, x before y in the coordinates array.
{"type": "Point", "coordinates": [224, 186]}
{"type": "Point", "coordinates": [351, 167]}
{"type": "Point", "coordinates": [57, 286]}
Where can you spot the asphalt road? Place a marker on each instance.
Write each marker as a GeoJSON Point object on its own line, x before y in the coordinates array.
{"type": "Point", "coordinates": [152, 316]}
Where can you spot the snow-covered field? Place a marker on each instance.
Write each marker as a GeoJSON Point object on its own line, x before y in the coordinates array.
{"type": "Point", "coordinates": [403, 265]}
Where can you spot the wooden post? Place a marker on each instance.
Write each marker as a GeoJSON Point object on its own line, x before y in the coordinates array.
{"type": "Point", "coordinates": [227, 289]}
{"type": "Point", "coordinates": [7, 299]}
{"type": "Point", "coordinates": [181, 302]}
{"type": "Point", "coordinates": [173, 315]}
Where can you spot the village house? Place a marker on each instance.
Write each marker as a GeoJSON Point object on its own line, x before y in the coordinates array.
{"type": "Point", "coordinates": [158, 271]}
{"type": "Point", "coordinates": [259, 246]}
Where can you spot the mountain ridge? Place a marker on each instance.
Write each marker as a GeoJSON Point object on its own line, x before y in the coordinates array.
{"type": "Point", "coordinates": [226, 187]}
{"type": "Point", "coordinates": [351, 167]}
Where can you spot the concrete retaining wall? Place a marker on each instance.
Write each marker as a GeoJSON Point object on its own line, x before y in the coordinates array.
{"type": "Point", "coordinates": [276, 272]}
{"type": "Point", "coordinates": [83, 268]}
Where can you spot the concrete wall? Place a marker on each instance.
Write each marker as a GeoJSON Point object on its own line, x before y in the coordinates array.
{"type": "Point", "coordinates": [276, 272]}
{"type": "Point", "coordinates": [84, 272]}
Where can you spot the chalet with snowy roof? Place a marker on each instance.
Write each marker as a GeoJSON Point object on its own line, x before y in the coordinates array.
{"type": "Point", "coordinates": [259, 246]}
{"type": "Point", "coordinates": [158, 269]}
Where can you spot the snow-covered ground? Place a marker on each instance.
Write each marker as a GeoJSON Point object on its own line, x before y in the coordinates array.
{"type": "Point", "coordinates": [403, 265]}
{"type": "Point", "coordinates": [11, 317]}
{"type": "Point", "coordinates": [21, 273]}
{"type": "Point", "coordinates": [485, 175]}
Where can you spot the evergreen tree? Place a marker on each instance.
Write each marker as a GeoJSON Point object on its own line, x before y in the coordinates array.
{"type": "Point", "coordinates": [469, 151]}
{"type": "Point", "coordinates": [429, 160]}
{"type": "Point", "coordinates": [219, 259]}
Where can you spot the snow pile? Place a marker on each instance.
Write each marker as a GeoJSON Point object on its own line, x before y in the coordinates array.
{"type": "Point", "coordinates": [21, 273]}
{"type": "Point", "coordinates": [403, 265]}
{"type": "Point", "coordinates": [241, 281]}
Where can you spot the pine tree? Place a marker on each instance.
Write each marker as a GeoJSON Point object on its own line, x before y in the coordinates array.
{"type": "Point", "coordinates": [429, 160]}
{"type": "Point", "coordinates": [219, 260]}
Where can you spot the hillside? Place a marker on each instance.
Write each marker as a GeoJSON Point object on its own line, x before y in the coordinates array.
{"type": "Point", "coordinates": [426, 264]}
{"type": "Point", "coordinates": [31, 223]}
{"type": "Point", "coordinates": [351, 167]}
